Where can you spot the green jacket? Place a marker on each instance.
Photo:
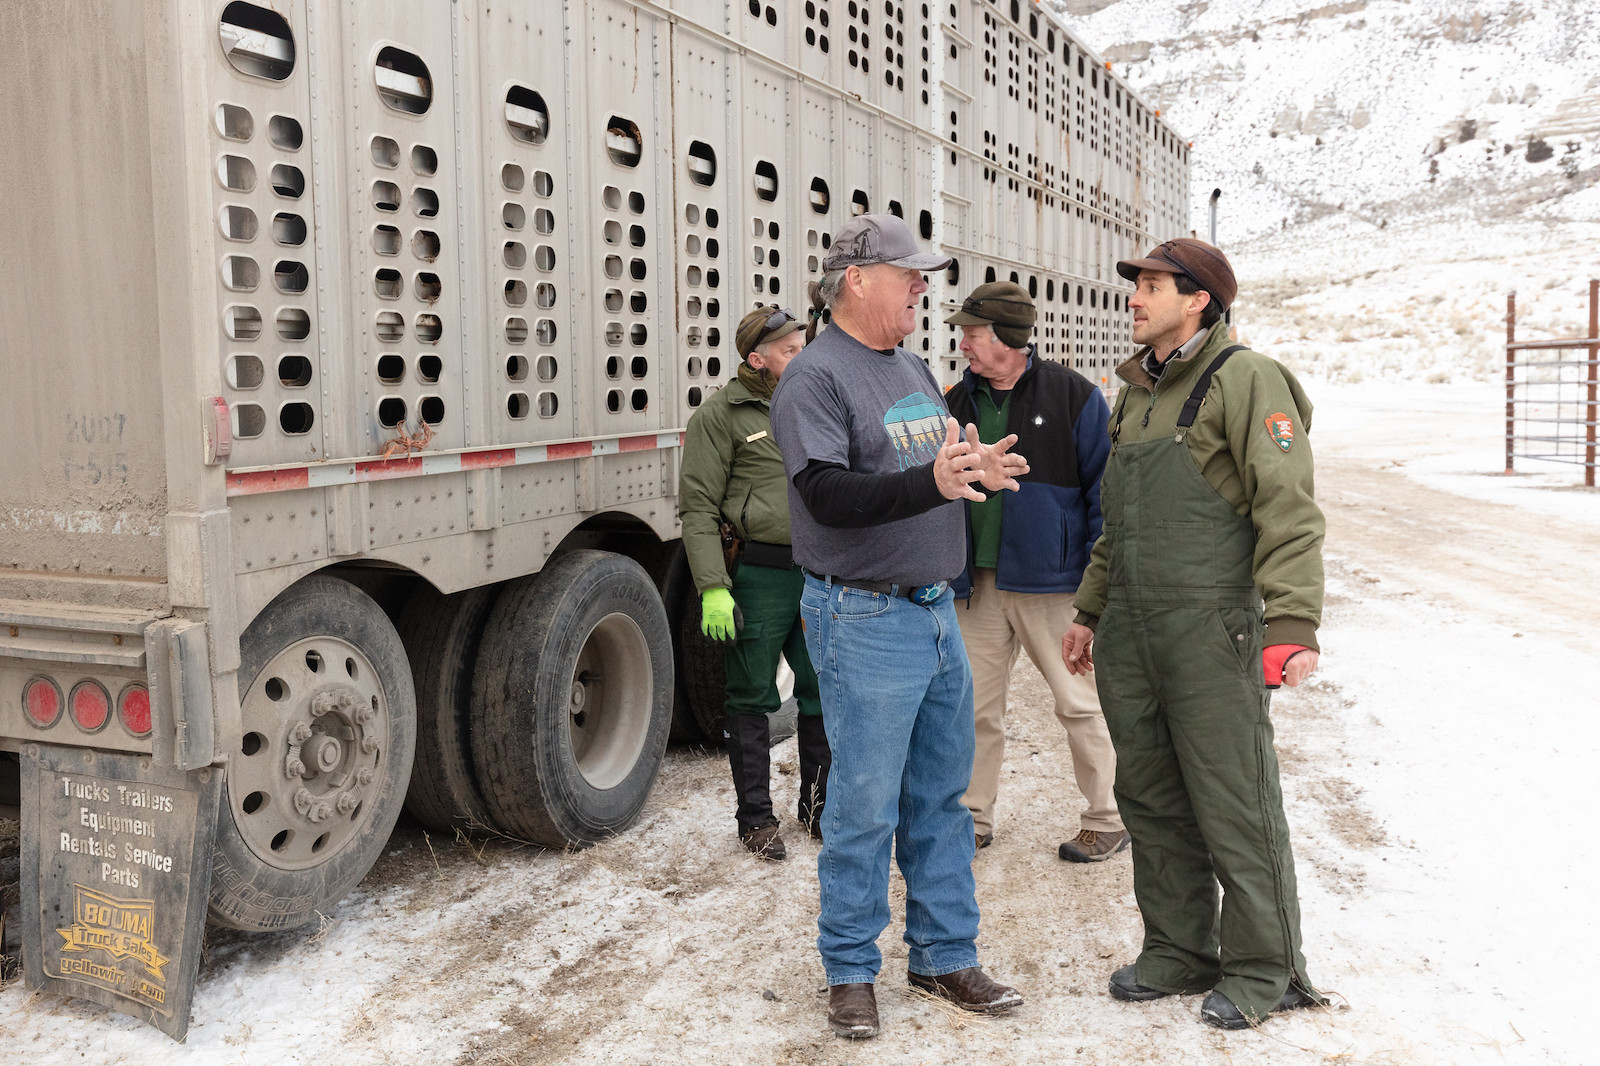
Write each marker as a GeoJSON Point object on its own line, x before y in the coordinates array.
{"type": "Point", "coordinates": [732, 470]}
{"type": "Point", "coordinates": [1237, 443]}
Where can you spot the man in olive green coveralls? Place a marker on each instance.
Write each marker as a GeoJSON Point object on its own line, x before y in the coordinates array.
{"type": "Point", "coordinates": [732, 473]}
{"type": "Point", "coordinates": [1209, 512]}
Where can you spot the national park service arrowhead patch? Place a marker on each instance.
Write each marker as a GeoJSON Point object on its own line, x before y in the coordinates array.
{"type": "Point", "coordinates": [1281, 427]}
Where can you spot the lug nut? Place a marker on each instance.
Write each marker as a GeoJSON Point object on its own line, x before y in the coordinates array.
{"type": "Point", "coordinates": [369, 745]}
{"type": "Point", "coordinates": [364, 777]}
{"type": "Point", "coordinates": [347, 802]}
{"type": "Point", "coordinates": [296, 768]}
{"type": "Point", "coordinates": [301, 733]}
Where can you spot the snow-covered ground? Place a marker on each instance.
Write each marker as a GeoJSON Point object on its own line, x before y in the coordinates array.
{"type": "Point", "coordinates": [1438, 779]}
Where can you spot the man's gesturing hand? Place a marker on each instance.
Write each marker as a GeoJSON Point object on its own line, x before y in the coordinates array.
{"type": "Point", "coordinates": [1001, 467]}
{"type": "Point", "coordinates": [1077, 649]}
{"type": "Point", "coordinates": [956, 466]}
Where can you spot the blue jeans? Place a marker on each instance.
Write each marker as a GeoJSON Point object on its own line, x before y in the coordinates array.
{"type": "Point", "coordinates": [897, 708]}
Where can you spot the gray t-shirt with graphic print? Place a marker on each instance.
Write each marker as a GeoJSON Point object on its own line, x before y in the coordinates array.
{"type": "Point", "coordinates": [874, 413]}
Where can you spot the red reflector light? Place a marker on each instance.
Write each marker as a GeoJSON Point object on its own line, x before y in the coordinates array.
{"type": "Point", "coordinates": [133, 707]}
{"type": "Point", "coordinates": [42, 700]}
{"type": "Point", "coordinates": [90, 705]}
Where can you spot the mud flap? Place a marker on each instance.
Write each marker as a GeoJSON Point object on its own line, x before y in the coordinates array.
{"type": "Point", "coordinates": [116, 874]}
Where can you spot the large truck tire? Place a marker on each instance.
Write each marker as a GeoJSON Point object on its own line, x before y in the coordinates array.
{"type": "Point", "coordinates": [441, 635]}
{"type": "Point", "coordinates": [572, 699]}
{"type": "Point", "coordinates": [679, 597]}
{"type": "Point", "coordinates": [328, 718]}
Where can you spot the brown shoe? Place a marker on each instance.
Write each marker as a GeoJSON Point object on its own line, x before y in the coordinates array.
{"type": "Point", "coordinates": [981, 840]}
{"type": "Point", "coordinates": [1092, 846]}
{"type": "Point", "coordinates": [764, 843]}
{"type": "Point", "coordinates": [969, 989]}
{"type": "Point", "coordinates": [853, 1011]}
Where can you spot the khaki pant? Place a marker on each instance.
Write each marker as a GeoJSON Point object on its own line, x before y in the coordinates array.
{"type": "Point", "coordinates": [995, 625]}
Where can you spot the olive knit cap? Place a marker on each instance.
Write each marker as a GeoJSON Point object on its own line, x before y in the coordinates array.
{"type": "Point", "coordinates": [1204, 264]}
{"type": "Point", "coordinates": [1005, 305]}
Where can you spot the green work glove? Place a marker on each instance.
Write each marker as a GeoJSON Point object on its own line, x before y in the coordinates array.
{"type": "Point", "coordinates": [716, 614]}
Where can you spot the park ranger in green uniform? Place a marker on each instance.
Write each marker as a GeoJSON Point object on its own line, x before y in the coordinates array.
{"type": "Point", "coordinates": [1204, 590]}
{"type": "Point", "coordinates": [733, 480]}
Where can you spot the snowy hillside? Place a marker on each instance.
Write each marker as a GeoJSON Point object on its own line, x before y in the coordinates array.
{"type": "Point", "coordinates": [1389, 170]}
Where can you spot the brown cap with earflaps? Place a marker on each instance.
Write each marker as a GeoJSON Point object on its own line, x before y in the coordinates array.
{"type": "Point", "coordinates": [1005, 305]}
{"type": "Point", "coordinates": [1202, 263]}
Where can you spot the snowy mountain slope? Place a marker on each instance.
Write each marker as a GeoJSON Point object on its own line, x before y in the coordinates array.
{"type": "Point", "coordinates": [1389, 169]}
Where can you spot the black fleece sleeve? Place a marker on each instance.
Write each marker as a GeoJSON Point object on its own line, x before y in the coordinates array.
{"type": "Point", "coordinates": [846, 499]}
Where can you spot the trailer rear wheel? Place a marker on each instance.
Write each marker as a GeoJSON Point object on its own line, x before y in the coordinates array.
{"type": "Point", "coordinates": [572, 700]}
{"type": "Point", "coordinates": [313, 791]}
{"type": "Point", "coordinates": [441, 635]}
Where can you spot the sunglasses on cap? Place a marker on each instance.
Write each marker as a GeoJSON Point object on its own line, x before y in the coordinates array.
{"type": "Point", "coordinates": [776, 319]}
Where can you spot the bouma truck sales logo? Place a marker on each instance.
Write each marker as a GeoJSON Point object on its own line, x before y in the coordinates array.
{"type": "Point", "coordinates": [121, 928]}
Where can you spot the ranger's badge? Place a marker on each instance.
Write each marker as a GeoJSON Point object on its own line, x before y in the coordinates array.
{"type": "Point", "coordinates": [1281, 427]}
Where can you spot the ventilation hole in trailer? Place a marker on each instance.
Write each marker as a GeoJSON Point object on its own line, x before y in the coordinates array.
{"type": "Point", "coordinates": [428, 367]}
{"type": "Point", "coordinates": [636, 236]}
{"type": "Point", "coordinates": [386, 196]}
{"type": "Point", "coordinates": [516, 292]}
{"type": "Point", "coordinates": [544, 294]}
{"type": "Point", "coordinates": [988, 274]}
{"type": "Point", "coordinates": [827, 241]}
{"type": "Point", "coordinates": [249, 420]}
{"type": "Point", "coordinates": [637, 269]}
{"type": "Point", "coordinates": [545, 368]}
{"type": "Point", "coordinates": [1033, 286]}
{"type": "Point", "coordinates": [766, 181]}
{"type": "Point", "coordinates": [772, 258]}
{"type": "Point", "coordinates": [713, 279]}
{"type": "Point", "coordinates": [613, 368]}
{"type": "Point", "coordinates": [293, 324]}
{"type": "Point", "coordinates": [613, 334]}
{"type": "Point", "coordinates": [694, 396]}
{"type": "Point", "coordinates": [692, 337]}
{"type": "Point", "coordinates": [237, 223]}
{"type": "Point", "coordinates": [386, 240]}
{"type": "Point", "coordinates": [545, 331]}
{"type": "Point", "coordinates": [391, 411]}
{"type": "Point", "coordinates": [636, 202]}
{"type": "Point", "coordinates": [527, 117]}
{"type": "Point", "coordinates": [296, 419]}
{"type": "Point", "coordinates": [427, 287]}
{"type": "Point", "coordinates": [391, 369]}
{"type": "Point", "coordinates": [425, 202]}
{"type": "Point", "coordinates": [925, 225]}
{"type": "Point", "coordinates": [713, 307]}
{"type": "Point", "coordinates": [429, 330]}
{"type": "Point", "coordinates": [896, 210]}
{"type": "Point", "coordinates": [693, 366]}
{"type": "Point", "coordinates": [858, 203]}
{"type": "Point", "coordinates": [543, 184]}
{"type": "Point", "coordinates": [691, 307]}
{"type": "Point", "coordinates": [952, 274]}
{"type": "Point", "coordinates": [638, 302]}
{"type": "Point", "coordinates": [691, 244]}
{"type": "Point", "coordinates": [624, 142]}
{"type": "Point", "coordinates": [514, 255]}
{"type": "Point", "coordinates": [432, 407]}
{"type": "Point", "coordinates": [611, 232]}
{"type": "Point", "coordinates": [245, 372]}
{"type": "Point", "coordinates": [640, 400]}
{"type": "Point", "coordinates": [639, 367]}
{"type": "Point", "coordinates": [517, 368]}
{"type": "Point", "coordinates": [288, 182]}
{"type": "Point", "coordinates": [513, 216]}
{"type": "Point", "coordinates": [614, 399]}
{"type": "Point", "coordinates": [692, 275]}
{"type": "Point", "coordinates": [389, 326]}
{"type": "Point", "coordinates": [294, 371]}
{"type": "Point", "coordinates": [544, 221]}
{"type": "Point", "coordinates": [755, 8]}
{"type": "Point", "coordinates": [385, 152]}
{"type": "Point", "coordinates": [613, 266]}
{"type": "Point", "coordinates": [234, 123]}
{"type": "Point", "coordinates": [812, 265]}
{"type": "Point", "coordinates": [242, 322]}
{"type": "Point", "coordinates": [256, 41]}
{"type": "Point", "coordinates": [691, 214]}
{"type": "Point", "coordinates": [1050, 289]}
{"type": "Point", "coordinates": [702, 165]}
{"type": "Point", "coordinates": [424, 160]}
{"type": "Point", "coordinates": [711, 218]}
{"type": "Point", "coordinates": [613, 300]}
{"type": "Point", "coordinates": [639, 335]}
{"type": "Point", "coordinates": [713, 338]}
{"type": "Point", "coordinates": [285, 133]}
{"type": "Point", "coordinates": [772, 231]}
{"type": "Point", "coordinates": [512, 178]}
{"type": "Point", "coordinates": [236, 173]}
{"type": "Point", "coordinates": [772, 15]}
{"type": "Point", "coordinates": [403, 81]}
{"type": "Point", "coordinates": [388, 284]}
{"type": "Point", "coordinates": [240, 273]}
{"type": "Point", "coordinates": [759, 283]}
{"type": "Point", "coordinates": [713, 367]}
{"type": "Point", "coordinates": [611, 196]}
